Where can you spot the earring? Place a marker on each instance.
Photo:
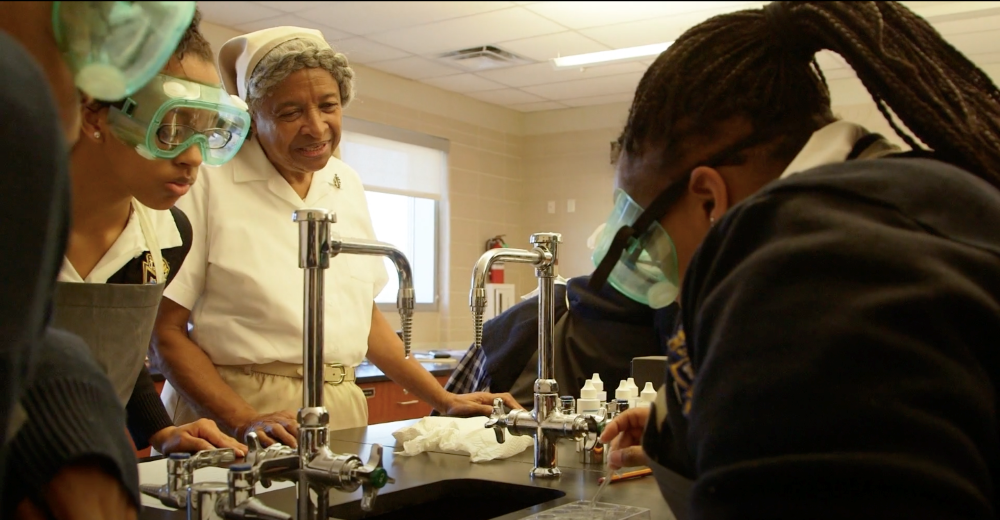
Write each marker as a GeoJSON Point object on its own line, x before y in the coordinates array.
{"type": "Point", "coordinates": [711, 221]}
{"type": "Point", "coordinates": [97, 135]}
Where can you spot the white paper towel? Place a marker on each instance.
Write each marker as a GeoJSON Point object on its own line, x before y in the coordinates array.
{"type": "Point", "coordinates": [467, 436]}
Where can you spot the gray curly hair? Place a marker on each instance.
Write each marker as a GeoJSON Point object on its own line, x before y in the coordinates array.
{"type": "Point", "coordinates": [294, 55]}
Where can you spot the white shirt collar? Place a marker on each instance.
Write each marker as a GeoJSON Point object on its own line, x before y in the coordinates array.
{"type": "Point", "coordinates": [129, 244]}
{"type": "Point", "coordinates": [828, 145]}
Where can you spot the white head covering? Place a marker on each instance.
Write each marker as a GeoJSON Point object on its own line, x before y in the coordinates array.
{"type": "Point", "coordinates": [240, 55]}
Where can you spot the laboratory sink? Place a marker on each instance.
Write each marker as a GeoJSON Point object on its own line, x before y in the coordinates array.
{"type": "Point", "coordinates": [468, 499]}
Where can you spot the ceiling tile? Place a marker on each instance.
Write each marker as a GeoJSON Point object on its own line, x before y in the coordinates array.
{"type": "Point", "coordinates": [619, 84]}
{"type": "Point", "coordinates": [414, 67]}
{"type": "Point", "coordinates": [362, 50]}
{"type": "Point", "coordinates": [288, 7]}
{"type": "Point", "coordinates": [232, 14]}
{"type": "Point", "coordinates": [482, 29]}
{"type": "Point", "coordinates": [984, 59]}
{"type": "Point", "coordinates": [940, 11]}
{"type": "Point", "coordinates": [550, 46]}
{"type": "Point", "coordinates": [599, 100]}
{"type": "Point", "coordinates": [656, 30]}
{"type": "Point", "coordinates": [329, 33]}
{"type": "Point", "coordinates": [507, 96]}
{"type": "Point", "coordinates": [544, 73]}
{"type": "Point", "coordinates": [464, 83]}
{"type": "Point", "coordinates": [976, 43]}
{"type": "Point", "coordinates": [977, 24]}
{"type": "Point", "coordinates": [375, 17]}
{"type": "Point", "coordinates": [581, 15]}
{"type": "Point", "coordinates": [536, 107]}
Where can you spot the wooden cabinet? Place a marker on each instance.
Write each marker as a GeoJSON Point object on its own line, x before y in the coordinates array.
{"type": "Point", "coordinates": [389, 402]}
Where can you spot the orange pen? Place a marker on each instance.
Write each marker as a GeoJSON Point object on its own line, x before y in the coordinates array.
{"type": "Point", "coordinates": [628, 476]}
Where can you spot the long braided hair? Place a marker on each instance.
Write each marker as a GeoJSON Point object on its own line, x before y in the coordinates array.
{"type": "Point", "coordinates": [760, 64]}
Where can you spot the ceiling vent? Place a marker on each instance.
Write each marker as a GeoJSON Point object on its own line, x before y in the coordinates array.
{"type": "Point", "coordinates": [483, 58]}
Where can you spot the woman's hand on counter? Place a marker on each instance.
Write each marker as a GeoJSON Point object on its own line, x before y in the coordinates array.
{"type": "Point", "coordinates": [625, 435]}
{"type": "Point", "coordinates": [202, 434]}
{"type": "Point", "coordinates": [81, 492]}
{"type": "Point", "coordinates": [273, 427]}
{"type": "Point", "coordinates": [476, 403]}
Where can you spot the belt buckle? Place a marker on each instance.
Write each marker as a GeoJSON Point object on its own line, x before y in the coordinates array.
{"type": "Point", "coordinates": [343, 372]}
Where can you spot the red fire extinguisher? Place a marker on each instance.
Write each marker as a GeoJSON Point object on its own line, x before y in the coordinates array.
{"type": "Point", "coordinates": [496, 272]}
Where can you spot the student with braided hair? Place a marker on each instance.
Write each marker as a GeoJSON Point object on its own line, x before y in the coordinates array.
{"type": "Point", "coordinates": [841, 299]}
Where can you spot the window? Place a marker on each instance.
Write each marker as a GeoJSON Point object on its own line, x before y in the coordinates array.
{"type": "Point", "coordinates": [404, 174]}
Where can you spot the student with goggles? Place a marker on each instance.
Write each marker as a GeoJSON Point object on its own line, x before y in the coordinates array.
{"type": "Point", "coordinates": [840, 300]}
{"type": "Point", "coordinates": [62, 428]}
{"type": "Point", "coordinates": [134, 160]}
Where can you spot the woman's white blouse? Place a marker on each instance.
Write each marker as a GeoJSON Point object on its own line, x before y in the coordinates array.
{"type": "Point", "coordinates": [242, 280]}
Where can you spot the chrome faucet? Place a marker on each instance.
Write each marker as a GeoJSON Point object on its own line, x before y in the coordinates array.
{"type": "Point", "coordinates": [313, 466]}
{"type": "Point", "coordinates": [547, 423]}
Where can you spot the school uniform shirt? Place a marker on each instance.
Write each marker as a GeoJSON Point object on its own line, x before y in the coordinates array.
{"type": "Point", "coordinates": [841, 326]}
{"type": "Point", "coordinates": [129, 261]}
{"type": "Point", "coordinates": [242, 280]}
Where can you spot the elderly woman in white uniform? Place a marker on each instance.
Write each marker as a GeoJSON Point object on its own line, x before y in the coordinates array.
{"type": "Point", "coordinates": [241, 287]}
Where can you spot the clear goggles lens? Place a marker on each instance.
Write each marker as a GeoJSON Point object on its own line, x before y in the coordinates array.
{"type": "Point", "coordinates": [647, 270]}
{"type": "Point", "coordinates": [114, 48]}
{"type": "Point", "coordinates": [169, 115]}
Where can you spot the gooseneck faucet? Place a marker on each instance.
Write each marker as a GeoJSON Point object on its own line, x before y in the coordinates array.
{"type": "Point", "coordinates": [313, 466]}
{"type": "Point", "coordinates": [547, 423]}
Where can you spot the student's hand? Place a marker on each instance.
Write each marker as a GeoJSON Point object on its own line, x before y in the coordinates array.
{"type": "Point", "coordinates": [202, 434]}
{"type": "Point", "coordinates": [82, 492]}
{"type": "Point", "coordinates": [624, 434]}
{"type": "Point", "coordinates": [476, 403]}
{"type": "Point", "coordinates": [272, 427]}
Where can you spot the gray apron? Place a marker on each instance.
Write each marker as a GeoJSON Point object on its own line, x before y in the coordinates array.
{"type": "Point", "coordinates": [115, 320]}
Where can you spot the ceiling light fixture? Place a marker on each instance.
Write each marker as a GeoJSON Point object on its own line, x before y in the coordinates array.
{"type": "Point", "coordinates": [593, 58]}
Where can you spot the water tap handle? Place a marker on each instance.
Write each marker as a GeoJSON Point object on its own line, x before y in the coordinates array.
{"type": "Point", "coordinates": [206, 458]}
{"type": "Point", "coordinates": [253, 442]}
{"type": "Point", "coordinates": [254, 509]}
{"type": "Point", "coordinates": [498, 420]}
{"type": "Point", "coordinates": [373, 477]}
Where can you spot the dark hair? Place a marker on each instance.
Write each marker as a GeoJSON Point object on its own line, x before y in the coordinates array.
{"type": "Point", "coordinates": [760, 64]}
{"type": "Point", "coordinates": [194, 42]}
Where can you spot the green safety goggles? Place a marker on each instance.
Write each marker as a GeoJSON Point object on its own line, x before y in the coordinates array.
{"type": "Point", "coordinates": [114, 48]}
{"type": "Point", "coordinates": [169, 115]}
{"type": "Point", "coordinates": [645, 268]}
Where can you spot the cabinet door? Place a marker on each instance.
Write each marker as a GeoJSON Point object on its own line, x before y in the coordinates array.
{"type": "Point", "coordinates": [389, 402]}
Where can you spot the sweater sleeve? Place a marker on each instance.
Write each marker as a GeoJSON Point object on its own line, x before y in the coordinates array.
{"type": "Point", "coordinates": [34, 193]}
{"type": "Point", "coordinates": [145, 412]}
{"type": "Point", "coordinates": [73, 415]}
{"type": "Point", "coordinates": [838, 351]}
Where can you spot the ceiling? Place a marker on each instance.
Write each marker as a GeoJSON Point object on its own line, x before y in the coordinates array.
{"type": "Point", "coordinates": [408, 38]}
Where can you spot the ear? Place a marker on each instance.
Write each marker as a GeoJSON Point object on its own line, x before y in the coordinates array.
{"type": "Point", "coordinates": [709, 188]}
{"type": "Point", "coordinates": [94, 122]}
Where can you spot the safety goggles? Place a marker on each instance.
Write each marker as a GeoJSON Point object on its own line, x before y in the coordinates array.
{"type": "Point", "coordinates": [114, 48]}
{"type": "Point", "coordinates": [635, 254]}
{"type": "Point", "coordinates": [169, 115]}
{"type": "Point", "coordinates": [646, 267]}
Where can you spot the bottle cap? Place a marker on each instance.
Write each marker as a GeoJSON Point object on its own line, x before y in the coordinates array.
{"type": "Point", "coordinates": [598, 384]}
{"type": "Point", "coordinates": [588, 391]}
{"type": "Point", "coordinates": [623, 391]}
{"type": "Point", "coordinates": [648, 394]}
{"type": "Point", "coordinates": [633, 386]}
